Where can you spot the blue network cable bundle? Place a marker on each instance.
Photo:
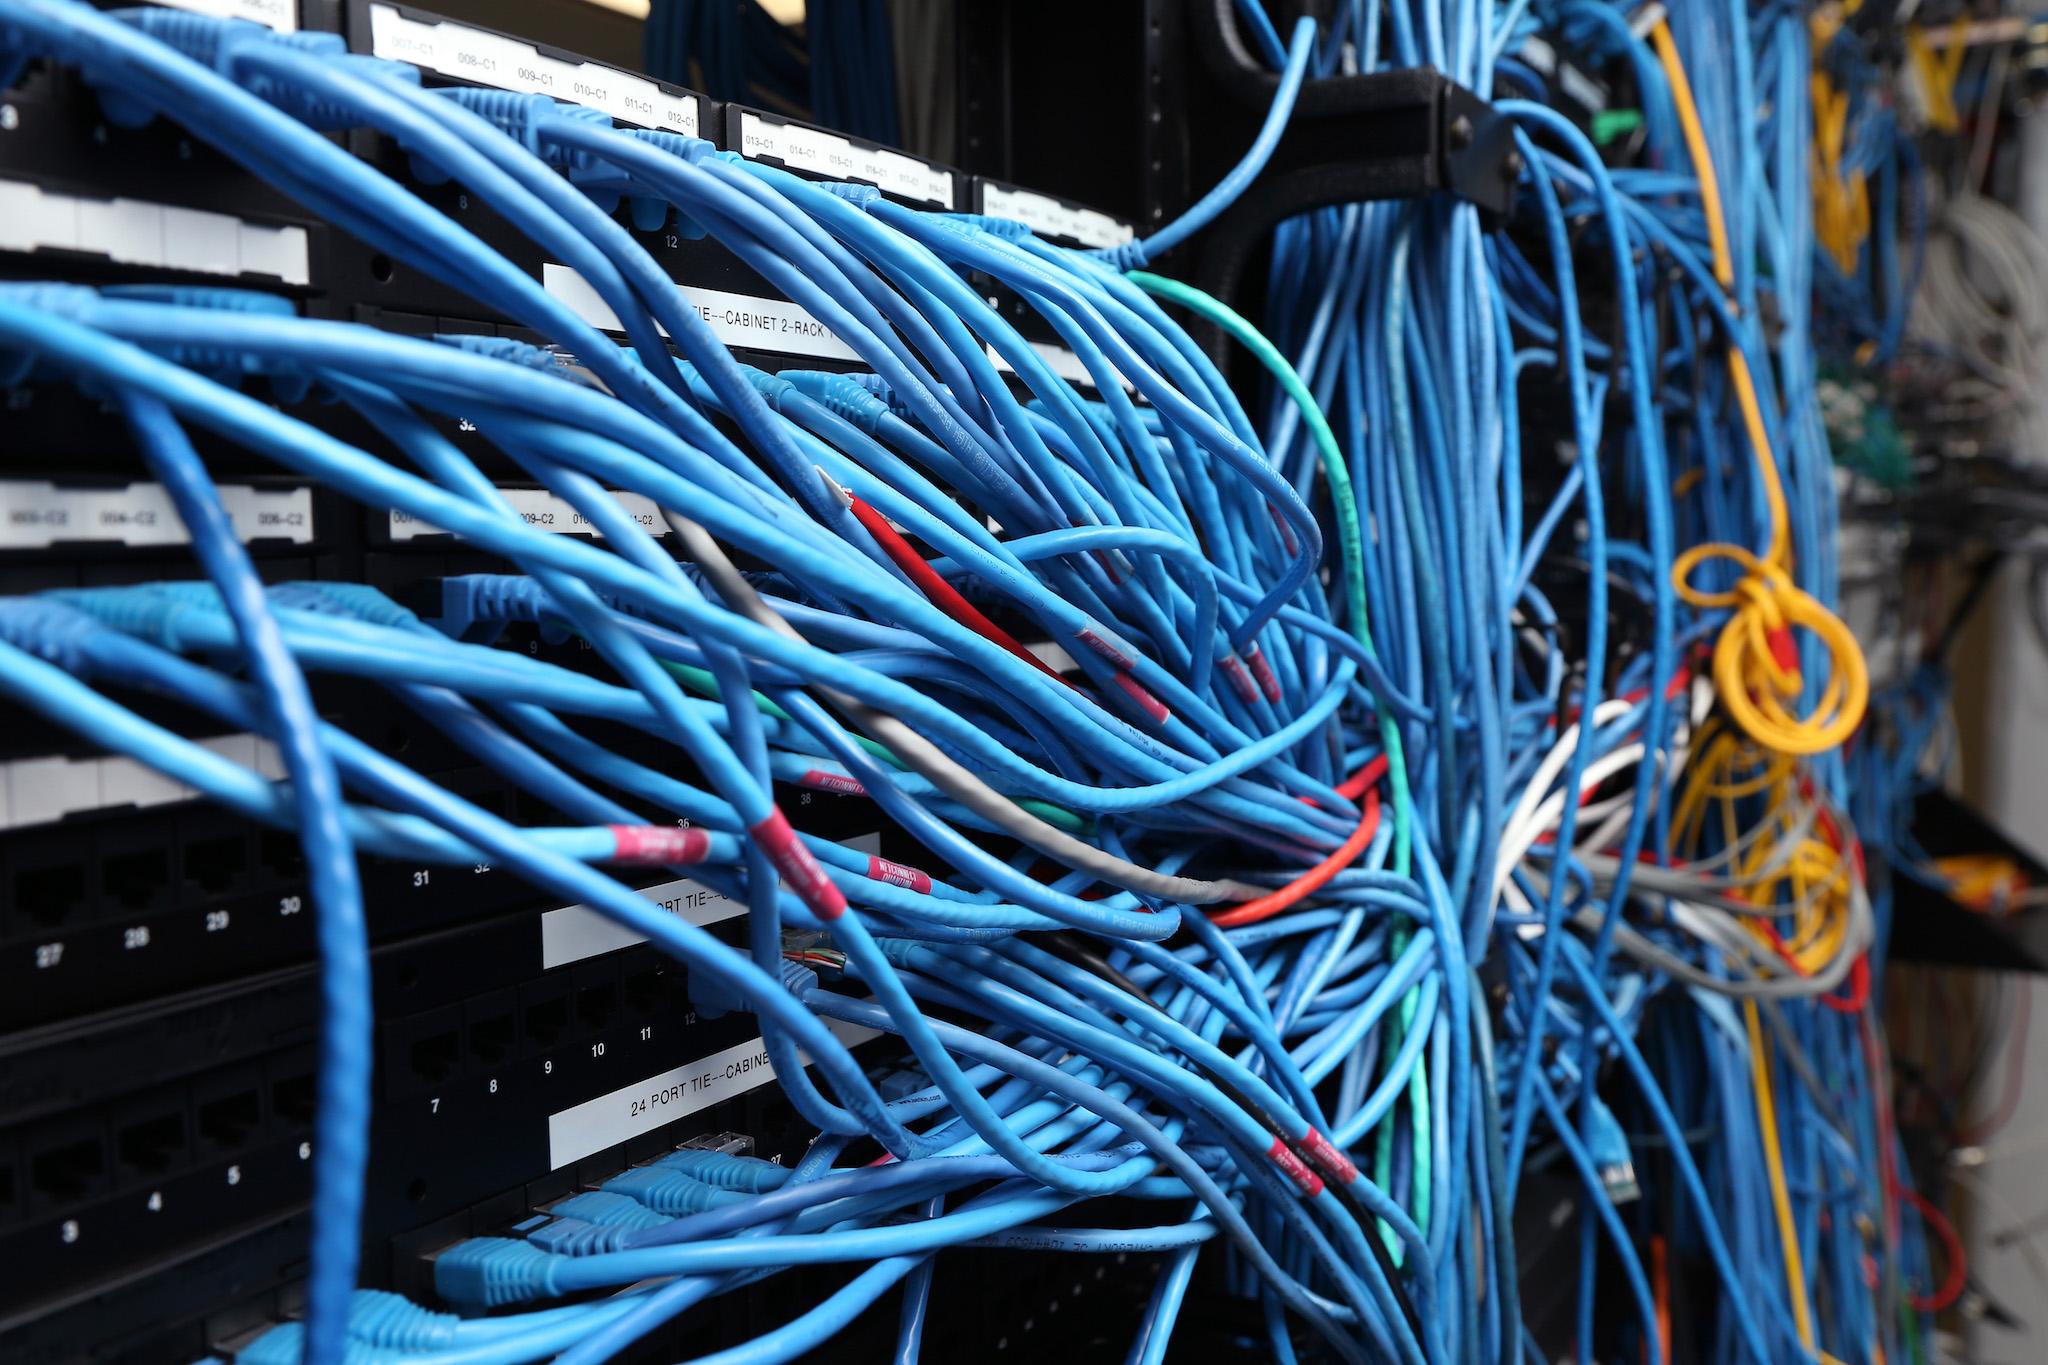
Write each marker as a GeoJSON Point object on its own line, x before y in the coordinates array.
{"type": "Point", "coordinates": [635, 727]}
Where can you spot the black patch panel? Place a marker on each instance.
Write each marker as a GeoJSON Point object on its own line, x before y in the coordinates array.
{"type": "Point", "coordinates": [135, 1140]}
{"type": "Point", "coordinates": [156, 987]}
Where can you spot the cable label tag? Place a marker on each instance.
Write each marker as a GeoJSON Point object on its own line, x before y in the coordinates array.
{"type": "Point", "coordinates": [1240, 680]}
{"type": "Point", "coordinates": [897, 874]}
{"type": "Point", "coordinates": [467, 53]}
{"type": "Point", "coordinates": [1263, 671]}
{"type": "Point", "coordinates": [798, 867]}
{"type": "Point", "coordinates": [658, 845]}
{"type": "Point", "coordinates": [1329, 1158]}
{"type": "Point", "coordinates": [1099, 640]}
{"type": "Point", "coordinates": [1295, 1169]}
{"type": "Point", "coordinates": [817, 779]}
{"type": "Point", "coordinates": [1149, 704]}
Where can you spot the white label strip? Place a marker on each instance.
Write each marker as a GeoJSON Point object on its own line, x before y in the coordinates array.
{"type": "Point", "coordinates": [645, 1106]}
{"type": "Point", "coordinates": [1049, 217]}
{"type": "Point", "coordinates": [36, 515]}
{"type": "Point", "coordinates": [1060, 361]}
{"type": "Point", "coordinates": [281, 15]}
{"type": "Point", "coordinates": [471, 54]}
{"type": "Point", "coordinates": [543, 511]}
{"type": "Point", "coordinates": [36, 791]}
{"type": "Point", "coordinates": [822, 153]}
{"type": "Point", "coordinates": [735, 319]}
{"type": "Point", "coordinates": [576, 932]}
{"type": "Point", "coordinates": [138, 232]}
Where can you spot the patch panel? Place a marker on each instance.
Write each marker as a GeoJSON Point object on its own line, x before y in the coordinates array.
{"type": "Point", "coordinates": [156, 1002]}
{"type": "Point", "coordinates": [150, 1135]}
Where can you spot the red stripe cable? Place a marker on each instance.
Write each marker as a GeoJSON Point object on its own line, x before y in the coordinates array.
{"type": "Point", "coordinates": [1267, 906]}
{"type": "Point", "coordinates": [1859, 989]}
{"type": "Point", "coordinates": [1957, 1274]}
{"type": "Point", "coordinates": [943, 595]}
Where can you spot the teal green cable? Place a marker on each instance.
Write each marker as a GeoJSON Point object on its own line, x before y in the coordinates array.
{"type": "Point", "coordinates": [1352, 538]}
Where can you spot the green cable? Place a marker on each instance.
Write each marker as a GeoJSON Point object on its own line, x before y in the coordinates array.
{"type": "Point", "coordinates": [1352, 539]}
{"type": "Point", "coordinates": [1349, 534]}
{"type": "Point", "coordinates": [700, 681]}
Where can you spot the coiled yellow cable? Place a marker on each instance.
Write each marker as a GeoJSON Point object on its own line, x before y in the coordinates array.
{"type": "Point", "coordinates": [1756, 660]}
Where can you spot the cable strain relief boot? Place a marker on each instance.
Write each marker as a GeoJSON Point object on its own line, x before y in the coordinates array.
{"type": "Point", "coordinates": [1009, 229]}
{"type": "Point", "coordinates": [285, 1344]}
{"type": "Point", "coordinates": [842, 395]}
{"type": "Point", "coordinates": [670, 1192]}
{"type": "Point", "coordinates": [860, 196]}
{"type": "Point", "coordinates": [489, 1272]}
{"type": "Point", "coordinates": [516, 114]}
{"type": "Point", "coordinates": [609, 1209]}
{"type": "Point", "coordinates": [728, 1170]}
{"type": "Point", "coordinates": [381, 1318]}
{"type": "Point", "coordinates": [146, 613]}
{"type": "Point", "coordinates": [576, 1237]}
{"type": "Point", "coordinates": [773, 387]}
{"type": "Point", "coordinates": [53, 631]}
{"type": "Point", "coordinates": [356, 601]}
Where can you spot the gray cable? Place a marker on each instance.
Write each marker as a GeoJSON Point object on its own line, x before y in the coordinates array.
{"type": "Point", "coordinates": [939, 768]}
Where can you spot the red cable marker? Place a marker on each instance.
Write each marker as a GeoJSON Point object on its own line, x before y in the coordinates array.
{"type": "Point", "coordinates": [658, 845]}
{"type": "Point", "coordinates": [897, 874]}
{"type": "Point", "coordinates": [801, 870]}
{"type": "Point", "coordinates": [943, 595]}
{"type": "Point", "coordinates": [1294, 1168]}
{"type": "Point", "coordinates": [1329, 1158]}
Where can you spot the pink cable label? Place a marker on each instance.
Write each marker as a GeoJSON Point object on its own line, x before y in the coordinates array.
{"type": "Point", "coordinates": [819, 780]}
{"type": "Point", "coordinates": [1106, 649]}
{"type": "Point", "coordinates": [1294, 1168]}
{"type": "Point", "coordinates": [896, 874]}
{"type": "Point", "coordinates": [1329, 1158]}
{"type": "Point", "coordinates": [798, 867]}
{"type": "Point", "coordinates": [658, 845]}
{"type": "Point", "coordinates": [1239, 677]}
{"type": "Point", "coordinates": [1263, 671]}
{"type": "Point", "coordinates": [1147, 703]}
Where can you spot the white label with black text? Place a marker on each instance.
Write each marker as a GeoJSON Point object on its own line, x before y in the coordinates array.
{"type": "Point", "coordinates": [544, 511]}
{"type": "Point", "coordinates": [631, 1110]}
{"type": "Point", "coordinates": [823, 153]}
{"type": "Point", "coordinates": [1050, 217]}
{"type": "Point", "coordinates": [471, 54]}
{"type": "Point", "coordinates": [576, 932]}
{"type": "Point", "coordinates": [36, 514]}
{"type": "Point", "coordinates": [757, 324]}
{"type": "Point", "coordinates": [281, 15]}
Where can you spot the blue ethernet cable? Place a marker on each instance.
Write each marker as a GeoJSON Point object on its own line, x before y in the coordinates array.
{"type": "Point", "coordinates": [342, 1118]}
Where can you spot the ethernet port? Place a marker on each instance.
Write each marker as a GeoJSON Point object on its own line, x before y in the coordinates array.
{"type": "Point", "coordinates": [293, 1095]}
{"type": "Point", "coordinates": [49, 894]}
{"type": "Point", "coordinates": [137, 877]}
{"type": "Point", "coordinates": [152, 1138]}
{"type": "Point", "coordinates": [493, 1028]}
{"type": "Point", "coordinates": [544, 1013]}
{"type": "Point", "coordinates": [432, 1057]}
{"type": "Point", "coordinates": [65, 1166]}
{"type": "Point", "coordinates": [596, 1003]}
{"type": "Point", "coordinates": [217, 861]}
{"type": "Point", "coordinates": [645, 991]}
{"type": "Point", "coordinates": [229, 1111]}
{"type": "Point", "coordinates": [279, 855]}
